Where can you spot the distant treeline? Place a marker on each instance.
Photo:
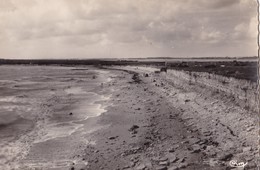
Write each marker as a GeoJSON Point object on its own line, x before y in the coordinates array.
{"type": "Point", "coordinates": [76, 62]}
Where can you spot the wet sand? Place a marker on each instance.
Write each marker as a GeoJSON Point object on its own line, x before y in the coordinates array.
{"type": "Point", "coordinates": [119, 119]}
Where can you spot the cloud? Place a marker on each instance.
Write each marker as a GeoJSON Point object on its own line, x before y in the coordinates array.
{"type": "Point", "coordinates": [211, 37]}
{"type": "Point", "coordinates": [246, 30]}
{"type": "Point", "coordinates": [217, 4]}
{"type": "Point", "coordinates": [148, 27]}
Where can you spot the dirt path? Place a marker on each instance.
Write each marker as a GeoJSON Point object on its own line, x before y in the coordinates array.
{"type": "Point", "coordinates": [155, 123]}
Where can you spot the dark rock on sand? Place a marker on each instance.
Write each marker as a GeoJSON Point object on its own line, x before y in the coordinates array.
{"type": "Point", "coordinates": [126, 167]}
{"type": "Point", "coordinates": [196, 148]}
{"type": "Point", "coordinates": [171, 117]}
{"type": "Point", "coordinates": [133, 128]}
{"type": "Point", "coordinates": [187, 100]}
{"type": "Point", "coordinates": [112, 137]}
{"type": "Point", "coordinates": [225, 157]}
{"type": "Point", "coordinates": [161, 168]}
{"type": "Point", "coordinates": [171, 150]}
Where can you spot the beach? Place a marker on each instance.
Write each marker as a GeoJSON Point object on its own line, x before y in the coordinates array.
{"type": "Point", "coordinates": [55, 117]}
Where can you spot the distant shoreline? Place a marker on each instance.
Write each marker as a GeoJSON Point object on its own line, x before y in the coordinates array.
{"type": "Point", "coordinates": [124, 61]}
{"type": "Point", "coordinates": [243, 68]}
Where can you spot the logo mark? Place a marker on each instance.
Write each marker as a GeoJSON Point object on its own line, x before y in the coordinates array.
{"type": "Point", "coordinates": [234, 163]}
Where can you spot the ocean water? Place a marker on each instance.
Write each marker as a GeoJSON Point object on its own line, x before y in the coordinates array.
{"type": "Point", "coordinates": [42, 109]}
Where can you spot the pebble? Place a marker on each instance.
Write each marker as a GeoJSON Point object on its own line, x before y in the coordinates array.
{"type": "Point", "coordinates": [194, 140]}
{"type": "Point", "coordinates": [161, 168]}
{"type": "Point", "coordinates": [134, 127]}
{"type": "Point", "coordinates": [196, 148]}
{"type": "Point", "coordinates": [225, 156]}
{"type": "Point", "coordinates": [247, 149]}
{"type": "Point", "coordinates": [250, 129]}
{"type": "Point", "coordinates": [176, 146]}
{"type": "Point", "coordinates": [182, 159]}
{"type": "Point", "coordinates": [163, 159]}
{"type": "Point", "coordinates": [136, 148]}
{"type": "Point", "coordinates": [173, 159]}
{"type": "Point", "coordinates": [213, 162]}
{"type": "Point", "coordinates": [141, 167]}
{"type": "Point", "coordinates": [183, 165]}
{"type": "Point", "coordinates": [173, 168]}
{"type": "Point", "coordinates": [132, 164]}
{"type": "Point", "coordinates": [163, 163]}
{"type": "Point", "coordinates": [135, 161]}
{"type": "Point", "coordinates": [112, 137]}
{"type": "Point", "coordinates": [171, 150]}
{"type": "Point", "coordinates": [132, 158]}
{"type": "Point", "coordinates": [126, 167]}
{"type": "Point", "coordinates": [160, 159]}
{"type": "Point", "coordinates": [210, 150]}
{"type": "Point", "coordinates": [148, 164]}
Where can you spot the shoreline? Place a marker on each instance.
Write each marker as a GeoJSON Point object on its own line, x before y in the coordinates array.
{"type": "Point", "coordinates": [154, 144]}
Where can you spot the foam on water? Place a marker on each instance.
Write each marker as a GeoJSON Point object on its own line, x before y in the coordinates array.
{"type": "Point", "coordinates": [86, 110]}
{"type": "Point", "coordinates": [8, 99]}
{"type": "Point", "coordinates": [83, 111]}
{"type": "Point", "coordinates": [46, 130]}
{"type": "Point", "coordinates": [58, 130]}
{"type": "Point", "coordinates": [10, 152]}
{"type": "Point", "coordinates": [74, 90]}
{"type": "Point", "coordinates": [57, 165]}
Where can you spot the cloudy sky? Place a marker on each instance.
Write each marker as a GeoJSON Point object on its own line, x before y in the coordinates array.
{"type": "Point", "coordinates": [127, 28]}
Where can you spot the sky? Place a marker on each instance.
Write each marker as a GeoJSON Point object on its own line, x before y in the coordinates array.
{"type": "Point", "coordinates": [39, 29]}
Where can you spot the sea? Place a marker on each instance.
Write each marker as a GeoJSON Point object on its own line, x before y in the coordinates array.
{"type": "Point", "coordinates": [47, 114]}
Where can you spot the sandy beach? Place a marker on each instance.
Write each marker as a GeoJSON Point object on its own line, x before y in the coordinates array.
{"type": "Point", "coordinates": [120, 118]}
